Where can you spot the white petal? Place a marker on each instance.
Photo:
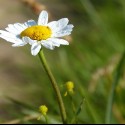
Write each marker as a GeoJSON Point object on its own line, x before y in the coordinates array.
{"type": "Point", "coordinates": [58, 42]}
{"type": "Point", "coordinates": [35, 48]}
{"type": "Point", "coordinates": [12, 38]}
{"type": "Point", "coordinates": [13, 31]}
{"type": "Point", "coordinates": [47, 44]}
{"type": "Point", "coordinates": [51, 44]}
{"type": "Point", "coordinates": [22, 25]}
{"type": "Point", "coordinates": [62, 23]}
{"type": "Point", "coordinates": [17, 44]}
{"type": "Point", "coordinates": [8, 36]}
{"type": "Point", "coordinates": [52, 24]}
{"type": "Point", "coordinates": [19, 27]}
{"type": "Point", "coordinates": [28, 40]}
{"type": "Point", "coordinates": [58, 25]}
{"type": "Point", "coordinates": [43, 18]}
{"type": "Point", "coordinates": [16, 28]}
{"type": "Point", "coordinates": [30, 23]}
{"type": "Point", "coordinates": [8, 39]}
{"type": "Point", "coordinates": [68, 27]}
{"type": "Point", "coordinates": [65, 31]}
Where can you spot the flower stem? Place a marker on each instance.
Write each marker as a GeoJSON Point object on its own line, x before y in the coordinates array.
{"type": "Point", "coordinates": [55, 86]}
{"type": "Point", "coordinates": [117, 76]}
{"type": "Point", "coordinates": [46, 119]}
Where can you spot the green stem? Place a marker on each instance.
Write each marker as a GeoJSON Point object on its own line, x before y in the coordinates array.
{"type": "Point", "coordinates": [46, 119]}
{"type": "Point", "coordinates": [55, 86]}
{"type": "Point", "coordinates": [73, 121]}
{"type": "Point", "coordinates": [73, 105]}
{"type": "Point", "coordinates": [117, 75]}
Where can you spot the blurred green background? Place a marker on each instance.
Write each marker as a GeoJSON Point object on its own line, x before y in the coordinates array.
{"type": "Point", "coordinates": [96, 45]}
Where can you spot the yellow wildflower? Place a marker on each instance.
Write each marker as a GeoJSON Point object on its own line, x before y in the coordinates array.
{"type": "Point", "coordinates": [69, 88]}
{"type": "Point", "coordinates": [43, 109]}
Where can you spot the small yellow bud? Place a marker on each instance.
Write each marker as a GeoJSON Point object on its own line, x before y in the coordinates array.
{"type": "Point", "coordinates": [69, 86]}
{"type": "Point", "coordinates": [43, 109]}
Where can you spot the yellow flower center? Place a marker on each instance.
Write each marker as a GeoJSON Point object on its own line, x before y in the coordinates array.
{"type": "Point", "coordinates": [37, 32]}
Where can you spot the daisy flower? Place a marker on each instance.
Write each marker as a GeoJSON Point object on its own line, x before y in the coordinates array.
{"type": "Point", "coordinates": [38, 34]}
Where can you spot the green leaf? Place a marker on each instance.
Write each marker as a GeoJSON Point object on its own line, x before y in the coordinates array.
{"type": "Point", "coordinates": [74, 120]}
{"type": "Point", "coordinates": [80, 107]}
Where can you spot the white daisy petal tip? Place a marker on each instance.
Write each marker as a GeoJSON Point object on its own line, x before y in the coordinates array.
{"type": "Point", "coordinates": [48, 44]}
{"type": "Point", "coordinates": [18, 44]}
{"type": "Point", "coordinates": [30, 23]}
{"type": "Point", "coordinates": [63, 21]}
{"type": "Point", "coordinates": [58, 42]}
{"type": "Point", "coordinates": [43, 18]}
{"type": "Point", "coordinates": [35, 48]}
{"type": "Point", "coordinates": [71, 25]}
{"type": "Point", "coordinates": [67, 43]}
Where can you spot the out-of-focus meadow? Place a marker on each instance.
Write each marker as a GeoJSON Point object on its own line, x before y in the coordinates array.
{"type": "Point", "coordinates": [96, 46]}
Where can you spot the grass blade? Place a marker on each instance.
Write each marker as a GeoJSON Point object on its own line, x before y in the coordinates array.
{"type": "Point", "coordinates": [118, 73]}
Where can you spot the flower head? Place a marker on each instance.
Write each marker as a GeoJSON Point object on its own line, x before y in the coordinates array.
{"type": "Point", "coordinates": [69, 88]}
{"type": "Point", "coordinates": [38, 34]}
{"type": "Point", "coordinates": [43, 110]}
